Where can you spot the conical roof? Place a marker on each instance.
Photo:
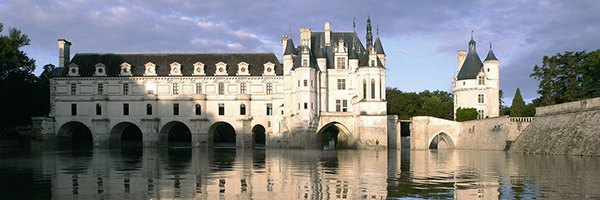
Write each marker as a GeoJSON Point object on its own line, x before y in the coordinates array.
{"type": "Point", "coordinates": [378, 46]}
{"type": "Point", "coordinates": [490, 55]}
{"type": "Point", "coordinates": [472, 65]}
{"type": "Point", "coordinates": [290, 49]}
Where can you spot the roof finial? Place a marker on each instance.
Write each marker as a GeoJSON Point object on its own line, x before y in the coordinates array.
{"type": "Point", "coordinates": [490, 45]}
{"type": "Point", "coordinates": [471, 34]}
{"type": "Point", "coordinates": [354, 23]}
{"type": "Point", "coordinates": [290, 32]}
{"type": "Point", "coordinates": [377, 30]}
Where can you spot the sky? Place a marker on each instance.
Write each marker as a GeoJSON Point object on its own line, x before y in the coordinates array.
{"type": "Point", "coordinates": [420, 38]}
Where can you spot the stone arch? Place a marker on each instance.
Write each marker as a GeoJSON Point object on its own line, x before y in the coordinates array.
{"type": "Point", "coordinates": [259, 136]}
{"type": "Point", "coordinates": [222, 134]}
{"type": "Point", "coordinates": [175, 134]}
{"type": "Point", "coordinates": [334, 135]}
{"type": "Point", "coordinates": [74, 134]}
{"type": "Point", "coordinates": [126, 134]}
{"type": "Point", "coordinates": [442, 141]}
{"type": "Point", "coordinates": [12, 139]}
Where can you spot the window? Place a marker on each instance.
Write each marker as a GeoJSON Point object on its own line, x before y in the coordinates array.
{"type": "Point", "coordinates": [338, 105]}
{"type": "Point", "coordinates": [305, 62]}
{"type": "Point", "coordinates": [488, 69]}
{"type": "Point", "coordinates": [481, 114]}
{"type": "Point", "coordinates": [125, 109]}
{"type": "Point", "coordinates": [221, 88]}
{"type": "Point", "coordinates": [372, 88]}
{"type": "Point", "coordinates": [480, 98]}
{"type": "Point", "coordinates": [341, 84]}
{"type": "Point", "coordinates": [176, 109]}
{"type": "Point", "coordinates": [73, 89]}
{"type": "Point", "coordinates": [73, 109]}
{"type": "Point", "coordinates": [221, 109]}
{"type": "Point", "coordinates": [175, 88]}
{"type": "Point", "coordinates": [312, 83]}
{"type": "Point", "coordinates": [269, 88]}
{"type": "Point", "coordinates": [198, 109]}
{"type": "Point", "coordinates": [100, 88]}
{"type": "Point", "coordinates": [298, 83]}
{"type": "Point", "coordinates": [149, 109]}
{"type": "Point", "coordinates": [312, 106]}
{"type": "Point", "coordinates": [98, 109]}
{"type": "Point", "coordinates": [364, 89]}
{"type": "Point", "coordinates": [344, 105]}
{"type": "Point", "coordinates": [269, 109]}
{"type": "Point", "coordinates": [372, 62]}
{"type": "Point", "coordinates": [305, 105]}
{"type": "Point", "coordinates": [341, 63]}
{"type": "Point", "coordinates": [481, 80]}
{"type": "Point", "coordinates": [269, 124]}
{"type": "Point", "coordinates": [242, 109]}
{"type": "Point", "coordinates": [198, 88]}
{"type": "Point", "coordinates": [305, 83]}
{"type": "Point", "coordinates": [125, 88]}
{"type": "Point", "coordinates": [243, 88]}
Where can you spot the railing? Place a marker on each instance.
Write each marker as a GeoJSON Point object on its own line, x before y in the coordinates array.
{"type": "Point", "coordinates": [521, 119]}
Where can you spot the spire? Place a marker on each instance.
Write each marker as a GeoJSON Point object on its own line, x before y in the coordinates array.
{"type": "Point", "coordinates": [290, 32]}
{"type": "Point", "coordinates": [354, 24]}
{"type": "Point", "coordinates": [490, 55]}
{"type": "Point", "coordinates": [369, 33]}
{"type": "Point", "coordinates": [378, 46]}
{"type": "Point", "coordinates": [289, 48]}
{"type": "Point", "coordinates": [472, 43]}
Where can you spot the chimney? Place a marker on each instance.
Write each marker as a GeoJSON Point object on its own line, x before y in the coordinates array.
{"type": "Point", "coordinates": [64, 52]}
{"type": "Point", "coordinates": [327, 33]}
{"type": "Point", "coordinates": [462, 55]}
{"type": "Point", "coordinates": [305, 34]}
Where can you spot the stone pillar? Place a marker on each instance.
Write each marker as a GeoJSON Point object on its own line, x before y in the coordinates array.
{"type": "Point", "coordinates": [150, 129]}
{"type": "Point", "coordinates": [244, 133]}
{"type": "Point", "coordinates": [101, 132]}
{"type": "Point", "coordinates": [199, 129]}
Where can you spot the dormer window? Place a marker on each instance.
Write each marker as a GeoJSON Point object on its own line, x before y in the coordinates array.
{"type": "Point", "coordinates": [372, 62]}
{"type": "Point", "coordinates": [243, 68]}
{"type": "Point", "coordinates": [175, 69]}
{"type": "Point", "coordinates": [73, 69]}
{"type": "Point", "coordinates": [340, 63]}
{"type": "Point", "coordinates": [481, 80]}
{"type": "Point", "coordinates": [150, 69]}
{"type": "Point", "coordinates": [304, 62]}
{"type": "Point", "coordinates": [269, 68]}
{"type": "Point", "coordinates": [221, 68]}
{"type": "Point", "coordinates": [125, 69]}
{"type": "Point", "coordinates": [199, 68]}
{"type": "Point", "coordinates": [100, 70]}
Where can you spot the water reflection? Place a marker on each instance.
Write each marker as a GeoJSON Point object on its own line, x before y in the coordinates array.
{"type": "Point", "coordinates": [190, 173]}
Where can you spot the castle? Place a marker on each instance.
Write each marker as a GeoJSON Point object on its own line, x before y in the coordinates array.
{"type": "Point", "coordinates": [329, 92]}
{"type": "Point", "coordinates": [477, 84]}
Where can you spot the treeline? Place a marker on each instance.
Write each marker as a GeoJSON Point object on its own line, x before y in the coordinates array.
{"type": "Point", "coordinates": [567, 77]}
{"type": "Point", "coordinates": [23, 93]}
{"type": "Point", "coordinates": [407, 104]}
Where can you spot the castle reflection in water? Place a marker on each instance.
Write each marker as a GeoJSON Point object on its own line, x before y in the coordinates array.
{"type": "Point", "coordinates": [191, 173]}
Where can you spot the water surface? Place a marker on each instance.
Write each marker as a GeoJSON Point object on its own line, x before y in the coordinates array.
{"type": "Point", "coordinates": [188, 173]}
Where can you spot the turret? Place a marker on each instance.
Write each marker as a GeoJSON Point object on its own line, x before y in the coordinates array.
{"type": "Point", "coordinates": [327, 33]}
{"type": "Point", "coordinates": [288, 55]}
{"type": "Point", "coordinates": [379, 48]}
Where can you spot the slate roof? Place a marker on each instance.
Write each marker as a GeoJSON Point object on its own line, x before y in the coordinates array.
{"type": "Point", "coordinates": [490, 55]}
{"type": "Point", "coordinates": [113, 61]}
{"type": "Point", "coordinates": [472, 65]}
{"type": "Point", "coordinates": [378, 46]}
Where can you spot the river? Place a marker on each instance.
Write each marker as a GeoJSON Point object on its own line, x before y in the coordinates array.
{"type": "Point", "coordinates": [189, 173]}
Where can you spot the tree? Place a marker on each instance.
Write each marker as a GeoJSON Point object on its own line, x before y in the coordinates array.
{"type": "Point", "coordinates": [23, 94]}
{"type": "Point", "coordinates": [567, 77]}
{"type": "Point", "coordinates": [517, 109]}
{"type": "Point", "coordinates": [466, 114]}
{"type": "Point", "coordinates": [407, 104]}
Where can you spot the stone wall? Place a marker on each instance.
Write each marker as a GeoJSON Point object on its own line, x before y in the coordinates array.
{"type": "Point", "coordinates": [394, 139]}
{"type": "Point", "coordinates": [564, 129]}
{"type": "Point", "coordinates": [485, 134]}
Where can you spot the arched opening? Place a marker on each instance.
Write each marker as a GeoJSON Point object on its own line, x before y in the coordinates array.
{"type": "Point", "coordinates": [258, 136]}
{"type": "Point", "coordinates": [75, 135]}
{"type": "Point", "coordinates": [12, 139]}
{"type": "Point", "coordinates": [176, 134]}
{"type": "Point", "coordinates": [126, 135]}
{"type": "Point", "coordinates": [442, 141]}
{"type": "Point", "coordinates": [223, 135]}
{"type": "Point", "coordinates": [334, 136]}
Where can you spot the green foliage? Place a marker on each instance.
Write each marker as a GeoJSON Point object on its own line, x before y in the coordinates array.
{"type": "Point", "coordinates": [407, 104]}
{"type": "Point", "coordinates": [23, 94]}
{"type": "Point", "coordinates": [466, 114]}
{"type": "Point", "coordinates": [518, 105]}
{"type": "Point", "coordinates": [567, 77]}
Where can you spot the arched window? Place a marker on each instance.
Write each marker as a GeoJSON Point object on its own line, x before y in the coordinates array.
{"type": "Point", "coordinates": [149, 109]}
{"type": "Point", "coordinates": [242, 109]}
{"type": "Point", "coordinates": [198, 109]}
{"type": "Point", "coordinates": [98, 109]}
{"type": "Point", "coordinates": [175, 109]}
{"type": "Point", "coordinates": [364, 89]}
{"type": "Point", "coordinates": [372, 88]}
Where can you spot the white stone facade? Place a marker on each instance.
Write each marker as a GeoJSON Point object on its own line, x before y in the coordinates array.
{"type": "Point", "coordinates": [477, 84]}
{"type": "Point", "coordinates": [320, 84]}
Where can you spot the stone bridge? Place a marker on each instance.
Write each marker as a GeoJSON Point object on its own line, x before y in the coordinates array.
{"type": "Point", "coordinates": [496, 133]}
